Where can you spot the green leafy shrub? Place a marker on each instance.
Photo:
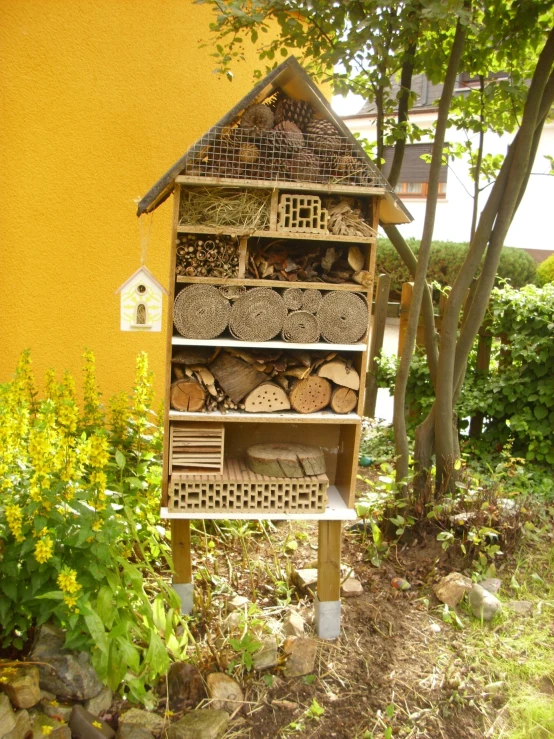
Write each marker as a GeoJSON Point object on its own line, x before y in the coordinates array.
{"type": "Point", "coordinates": [545, 271]}
{"type": "Point", "coordinates": [77, 541]}
{"type": "Point", "coordinates": [516, 396]}
{"type": "Point", "coordinates": [445, 260]}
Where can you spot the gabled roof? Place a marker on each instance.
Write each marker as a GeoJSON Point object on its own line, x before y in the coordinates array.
{"type": "Point", "coordinates": [292, 79]}
{"type": "Point", "coordinates": [148, 274]}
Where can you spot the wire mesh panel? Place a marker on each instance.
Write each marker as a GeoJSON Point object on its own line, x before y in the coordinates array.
{"type": "Point", "coordinates": [241, 153]}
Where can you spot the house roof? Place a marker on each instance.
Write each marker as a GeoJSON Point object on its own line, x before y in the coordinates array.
{"type": "Point", "coordinates": [291, 78]}
{"type": "Point", "coordinates": [145, 271]}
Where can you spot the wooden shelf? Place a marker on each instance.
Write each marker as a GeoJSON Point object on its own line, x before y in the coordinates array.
{"type": "Point", "coordinates": [289, 235]}
{"type": "Point", "coordinates": [336, 510]}
{"type": "Point", "coordinates": [285, 417]}
{"type": "Point", "coordinates": [320, 346]}
{"type": "Point", "coordinates": [275, 284]}
{"type": "Point", "coordinates": [330, 188]}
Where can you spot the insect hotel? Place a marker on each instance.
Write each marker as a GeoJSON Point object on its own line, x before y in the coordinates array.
{"type": "Point", "coordinates": [275, 218]}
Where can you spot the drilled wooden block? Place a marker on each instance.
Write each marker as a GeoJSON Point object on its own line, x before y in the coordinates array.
{"type": "Point", "coordinates": [240, 489]}
{"type": "Point", "coordinates": [196, 447]}
{"type": "Point", "coordinates": [302, 213]}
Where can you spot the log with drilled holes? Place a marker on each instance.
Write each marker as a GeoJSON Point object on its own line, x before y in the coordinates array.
{"type": "Point", "coordinates": [343, 400]}
{"type": "Point", "coordinates": [310, 395]}
{"type": "Point", "coordinates": [341, 373]}
{"type": "Point", "coordinates": [266, 398]}
{"type": "Point", "coordinates": [285, 460]}
{"type": "Point", "coordinates": [187, 395]}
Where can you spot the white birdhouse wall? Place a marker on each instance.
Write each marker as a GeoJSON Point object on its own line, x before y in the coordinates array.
{"type": "Point", "coordinates": [141, 304]}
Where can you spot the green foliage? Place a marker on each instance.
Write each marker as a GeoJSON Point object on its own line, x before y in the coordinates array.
{"type": "Point", "coordinates": [446, 258]}
{"type": "Point", "coordinates": [545, 271]}
{"type": "Point", "coordinates": [78, 541]}
{"type": "Point", "coordinates": [517, 394]}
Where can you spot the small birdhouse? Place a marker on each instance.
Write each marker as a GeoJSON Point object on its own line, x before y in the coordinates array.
{"type": "Point", "coordinates": [141, 302]}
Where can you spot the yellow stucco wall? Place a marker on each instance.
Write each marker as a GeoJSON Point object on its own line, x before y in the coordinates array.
{"type": "Point", "coordinates": [98, 99]}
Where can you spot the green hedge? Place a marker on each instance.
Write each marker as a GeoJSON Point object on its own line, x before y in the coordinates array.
{"type": "Point", "coordinates": [445, 261]}
{"type": "Point", "coordinates": [545, 271]}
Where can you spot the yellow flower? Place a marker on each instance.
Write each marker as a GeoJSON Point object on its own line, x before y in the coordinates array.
{"type": "Point", "coordinates": [44, 550]}
{"type": "Point", "coordinates": [97, 724]}
{"type": "Point", "coordinates": [14, 517]}
{"type": "Point", "coordinates": [41, 533]}
{"type": "Point", "coordinates": [70, 601]}
{"type": "Point", "coordinates": [47, 730]}
{"type": "Point", "coordinates": [67, 580]}
{"type": "Point", "coordinates": [97, 525]}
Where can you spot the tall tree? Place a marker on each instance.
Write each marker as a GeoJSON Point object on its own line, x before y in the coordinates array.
{"type": "Point", "coordinates": [361, 46]}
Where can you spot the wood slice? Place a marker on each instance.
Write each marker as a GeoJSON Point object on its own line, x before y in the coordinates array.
{"type": "Point", "coordinates": [356, 258]}
{"type": "Point", "coordinates": [343, 400]}
{"type": "Point", "coordinates": [187, 395]}
{"type": "Point", "coordinates": [237, 378]}
{"type": "Point", "coordinates": [363, 278]}
{"type": "Point", "coordinates": [310, 395]}
{"type": "Point", "coordinates": [267, 398]}
{"type": "Point", "coordinates": [340, 373]}
{"type": "Point", "coordinates": [285, 460]}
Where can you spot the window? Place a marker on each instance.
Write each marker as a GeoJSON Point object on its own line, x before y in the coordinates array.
{"type": "Point", "coordinates": [414, 175]}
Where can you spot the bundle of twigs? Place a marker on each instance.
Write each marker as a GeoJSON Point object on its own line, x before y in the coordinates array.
{"type": "Point", "coordinates": [248, 209]}
{"type": "Point", "coordinates": [343, 220]}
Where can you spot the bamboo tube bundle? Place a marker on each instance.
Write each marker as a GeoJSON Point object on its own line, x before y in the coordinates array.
{"type": "Point", "coordinates": [311, 300]}
{"type": "Point", "coordinates": [200, 312]}
{"type": "Point", "coordinates": [293, 297]}
{"type": "Point", "coordinates": [258, 315]}
{"type": "Point", "coordinates": [301, 327]}
{"type": "Point", "coordinates": [343, 317]}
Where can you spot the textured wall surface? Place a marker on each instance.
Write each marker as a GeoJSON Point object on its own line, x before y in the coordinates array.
{"type": "Point", "coordinates": [98, 99]}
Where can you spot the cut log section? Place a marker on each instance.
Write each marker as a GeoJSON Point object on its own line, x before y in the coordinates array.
{"type": "Point", "coordinates": [187, 395]}
{"type": "Point", "coordinates": [267, 398]}
{"type": "Point", "coordinates": [340, 373]}
{"type": "Point", "coordinates": [237, 378]}
{"type": "Point", "coordinates": [356, 258]}
{"type": "Point", "coordinates": [310, 395]}
{"type": "Point", "coordinates": [343, 400]}
{"type": "Point", "coordinates": [285, 460]}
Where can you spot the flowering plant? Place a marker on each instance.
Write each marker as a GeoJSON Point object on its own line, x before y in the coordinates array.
{"type": "Point", "coordinates": [79, 541]}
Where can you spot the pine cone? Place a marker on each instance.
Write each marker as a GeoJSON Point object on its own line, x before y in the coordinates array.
{"type": "Point", "coordinates": [248, 152]}
{"type": "Point", "coordinates": [304, 167]}
{"type": "Point", "coordinates": [349, 167]}
{"type": "Point", "coordinates": [257, 118]}
{"type": "Point", "coordinates": [296, 111]}
{"type": "Point", "coordinates": [288, 136]}
{"type": "Point", "coordinates": [323, 137]}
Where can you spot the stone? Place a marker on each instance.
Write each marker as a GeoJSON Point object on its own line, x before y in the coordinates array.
{"type": "Point", "coordinates": [61, 732]}
{"type": "Point", "coordinates": [100, 702]}
{"type": "Point", "coordinates": [287, 705]}
{"type": "Point", "coordinates": [44, 726]}
{"type": "Point", "coordinates": [7, 716]}
{"type": "Point", "coordinates": [267, 655]}
{"type": "Point", "coordinates": [130, 731]}
{"type": "Point", "coordinates": [54, 709]}
{"type": "Point", "coordinates": [21, 685]}
{"type": "Point", "coordinates": [351, 588]}
{"type": "Point", "coordinates": [225, 693]}
{"type": "Point", "coordinates": [150, 721]}
{"type": "Point", "coordinates": [205, 724]}
{"type": "Point", "coordinates": [301, 654]}
{"type": "Point", "coordinates": [306, 579]}
{"type": "Point", "coordinates": [84, 725]}
{"type": "Point", "coordinates": [451, 589]}
{"type": "Point", "coordinates": [67, 674]}
{"type": "Point", "coordinates": [484, 605]}
{"type": "Point", "coordinates": [232, 623]}
{"type": "Point", "coordinates": [22, 726]}
{"type": "Point", "coordinates": [519, 607]}
{"type": "Point", "coordinates": [293, 624]}
{"type": "Point", "coordinates": [185, 686]}
{"type": "Point", "coordinates": [492, 584]}
{"type": "Point", "coordinates": [237, 603]}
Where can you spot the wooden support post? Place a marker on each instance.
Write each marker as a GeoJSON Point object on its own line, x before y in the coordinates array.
{"type": "Point", "coordinates": [328, 580]}
{"type": "Point", "coordinates": [377, 336]}
{"type": "Point", "coordinates": [483, 360]}
{"type": "Point", "coordinates": [182, 563]}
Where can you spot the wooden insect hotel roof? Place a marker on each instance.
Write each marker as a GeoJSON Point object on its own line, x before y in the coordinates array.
{"type": "Point", "coordinates": [244, 150]}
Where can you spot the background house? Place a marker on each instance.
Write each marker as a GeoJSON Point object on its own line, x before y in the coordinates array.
{"type": "Point", "coordinates": [530, 229]}
{"type": "Point", "coordinates": [96, 96]}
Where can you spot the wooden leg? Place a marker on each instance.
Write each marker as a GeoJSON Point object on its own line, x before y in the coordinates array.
{"type": "Point", "coordinates": [182, 563]}
{"type": "Point", "coordinates": [328, 580]}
